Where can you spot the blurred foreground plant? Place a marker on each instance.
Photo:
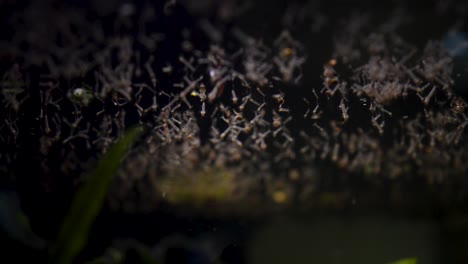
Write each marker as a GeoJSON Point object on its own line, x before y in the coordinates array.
{"type": "Point", "coordinates": [89, 200]}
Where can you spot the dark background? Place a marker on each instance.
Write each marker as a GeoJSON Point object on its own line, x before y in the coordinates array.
{"type": "Point", "coordinates": [46, 206]}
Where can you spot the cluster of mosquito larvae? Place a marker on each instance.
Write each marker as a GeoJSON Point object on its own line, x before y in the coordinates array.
{"type": "Point", "coordinates": [232, 107]}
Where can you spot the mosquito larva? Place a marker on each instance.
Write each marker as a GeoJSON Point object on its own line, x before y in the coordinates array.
{"type": "Point", "coordinates": [214, 93]}
{"type": "Point", "coordinates": [234, 97]}
{"type": "Point", "coordinates": [335, 150]}
{"type": "Point", "coordinates": [308, 108]}
{"type": "Point", "coordinates": [245, 100]}
{"type": "Point", "coordinates": [344, 110]}
{"type": "Point", "coordinates": [177, 106]}
{"type": "Point", "coordinates": [186, 63]}
{"type": "Point", "coordinates": [10, 127]}
{"type": "Point", "coordinates": [283, 110]}
{"type": "Point", "coordinates": [150, 71]}
{"type": "Point", "coordinates": [203, 112]}
{"type": "Point", "coordinates": [187, 125]}
{"type": "Point", "coordinates": [167, 69]}
{"type": "Point", "coordinates": [429, 96]}
{"type": "Point", "coordinates": [169, 121]}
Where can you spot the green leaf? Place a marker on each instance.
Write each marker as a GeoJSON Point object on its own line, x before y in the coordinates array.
{"type": "Point", "coordinates": [405, 261]}
{"type": "Point", "coordinates": [89, 200]}
{"type": "Point", "coordinates": [14, 223]}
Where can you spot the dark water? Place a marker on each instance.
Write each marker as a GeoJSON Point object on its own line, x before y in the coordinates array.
{"type": "Point", "coordinates": [373, 187]}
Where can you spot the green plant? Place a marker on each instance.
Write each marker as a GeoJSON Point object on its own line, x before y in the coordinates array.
{"type": "Point", "coordinates": [89, 201]}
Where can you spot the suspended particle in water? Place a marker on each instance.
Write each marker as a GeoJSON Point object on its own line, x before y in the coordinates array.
{"type": "Point", "coordinates": [287, 53]}
{"type": "Point", "coordinates": [127, 10]}
{"type": "Point", "coordinates": [81, 96]}
{"type": "Point", "coordinates": [458, 105]}
{"type": "Point", "coordinates": [169, 7]}
{"type": "Point", "coordinates": [280, 196]}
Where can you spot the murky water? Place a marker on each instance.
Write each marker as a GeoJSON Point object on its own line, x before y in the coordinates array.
{"type": "Point", "coordinates": [274, 132]}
